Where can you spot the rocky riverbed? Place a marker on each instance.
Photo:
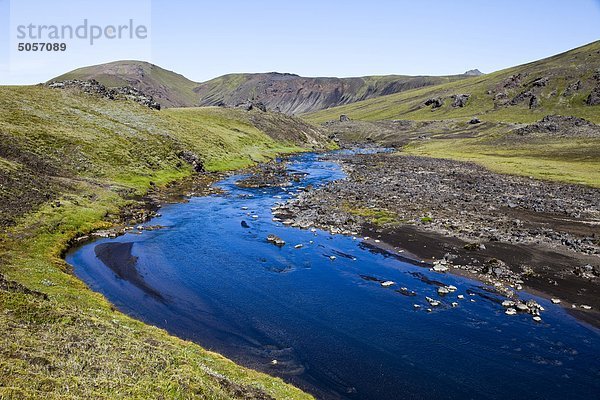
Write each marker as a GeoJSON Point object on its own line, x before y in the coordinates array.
{"type": "Point", "coordinates": [511, 232]}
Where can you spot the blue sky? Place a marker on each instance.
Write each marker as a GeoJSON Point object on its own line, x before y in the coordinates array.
{"type": "Point", "coordinates": [205, 39]}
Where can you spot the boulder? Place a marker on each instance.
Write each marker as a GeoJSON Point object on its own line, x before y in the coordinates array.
{"type": "Point", "coordinates": [573, 87]}
{"type": "Point", "coordinates": [344, 118]}
{"type": "Point", "coordinates": [594, 98]}
{"type": "Point", "coordinates": [474, 121]}
{"type": "Point", "coordinates": [192, 159]}
{"type": "Point", "coordinates": [276, 240]}
{"type": "Point", "coordinates": [534, 102]}
{"type": "Point", "coordinates": [94, 87]}
{"type": "Point", "coordinates": [460, 100]}
{"type": "Point", "coordinates": [540, 82]}
{"type": "Point", "coordinates": [434, 103]}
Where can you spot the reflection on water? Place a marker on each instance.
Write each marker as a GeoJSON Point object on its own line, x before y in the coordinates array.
{"type": "Point", "coordinates": [357, 325]}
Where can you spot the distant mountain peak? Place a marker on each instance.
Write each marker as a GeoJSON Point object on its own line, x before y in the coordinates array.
{"type": "Point", "coordinates": [473, 72]}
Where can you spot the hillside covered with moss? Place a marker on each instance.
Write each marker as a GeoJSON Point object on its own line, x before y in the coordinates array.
{"type": "Point", "coordinates": [69, 163]}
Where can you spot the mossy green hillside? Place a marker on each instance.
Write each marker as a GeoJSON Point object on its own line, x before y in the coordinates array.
{"type": "Point", "coordinates": [69, 163]}
{"type": "Point", "coordinates": [562, 70]}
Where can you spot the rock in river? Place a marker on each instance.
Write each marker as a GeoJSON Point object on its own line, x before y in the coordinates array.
{"type": "Point", "coordinates": [276, 240]}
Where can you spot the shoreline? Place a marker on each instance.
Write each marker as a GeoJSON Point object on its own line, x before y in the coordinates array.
{"type": "Point", "coordinates": [509, 261]}
{"type": "Point", "coordinates": [425, 259]}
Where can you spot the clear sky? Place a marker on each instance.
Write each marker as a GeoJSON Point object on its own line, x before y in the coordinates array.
{"type": "Point", "coordinates": [205, 39]}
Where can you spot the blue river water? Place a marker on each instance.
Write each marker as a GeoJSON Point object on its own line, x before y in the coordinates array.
{"type": "Point", "coordinates": [328, 325]}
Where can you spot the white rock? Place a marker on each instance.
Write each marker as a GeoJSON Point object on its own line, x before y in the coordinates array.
{"type": "Point", "coordinates": [455, 304]}
{"type": "Point", "coordinates": [440, 268]}
{"type": "Point", "coordinates": [452, 288]}
{"type": "Point", "coordinates": [537, 319]}
{"type": "Point", "coordinates": [432, 302]}
{"type": "Point", "coordinates": [510, 311]}
{"type": "Point", "coordinates": [298, 246]}
{"type": "Point", "coordinates": [416, 305]}
{"type": "Point", "coordinates": [460, 296]}
{"type": "Point", "coordinates": [443, 290]}
{"type": "Point", "coordinates": [522, 307]}
{"type": "Point", "coordinates": [586, 307]}
{"type": "Point", "coordinates": [332, 258]}
{"type": "Point", "coordinates": [388, 283]}
{"type": "Point", "coordinates": [508, 303]}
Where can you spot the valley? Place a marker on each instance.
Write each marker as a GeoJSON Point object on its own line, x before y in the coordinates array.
{"type": "Point", "coordinates": [136, 208]}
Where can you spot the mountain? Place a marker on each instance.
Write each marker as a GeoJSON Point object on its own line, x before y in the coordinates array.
{"type": "Point", "coordinates": [287, 93]}
{"type": "Point", "coordinates": [473, 72]}
{"type": "Point", "coordinates": [293, 94]}
{"type": "Point", "coordinates": [567, 84]}
{"type": "Point", "coordinates": [168, 88]}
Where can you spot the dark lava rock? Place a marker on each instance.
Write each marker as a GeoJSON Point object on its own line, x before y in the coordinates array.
{"type": "Point", "coordinates": [460, 100]}
{"type": "Point", "coordinates": [540, 82]}
{"type": "Point", "coordinates": [94, 87]}
{"type": "Point", "coordinates": [573, 87]}
{"type": "Point", "coordinates": [192, 159]}
{"type": "Point", "coordinates": [558, 125]}
{"type": "Point", "coordinates": [594, 97]}
{"type": "Point", "coordinates": [474, 121]}
{"type": "Point", "coordinates": [521, 97]}
{"type": "Point", "coordinates": [251, 105]}
{"type": "Point", "coordinates": [534, 102]}
{"type": "Point", "coordinates": [512, 81]}
{"type": "Point", "coordinates": [344, 118]}
{"type": "Point", "coordinates": [267, 175]}
{"type": "Point", "coordinates": [434, 102]}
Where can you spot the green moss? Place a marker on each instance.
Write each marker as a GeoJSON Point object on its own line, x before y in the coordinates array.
{"type": "Point", "coordinates": [96, 154]}
{"type": "Point", "coordinates": [374, 215]}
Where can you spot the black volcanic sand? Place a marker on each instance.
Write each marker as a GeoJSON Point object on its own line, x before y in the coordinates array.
{"type": "Point", "coordinates": [544, 236]}
{"type": "Point", "coordinates": [118, 257]}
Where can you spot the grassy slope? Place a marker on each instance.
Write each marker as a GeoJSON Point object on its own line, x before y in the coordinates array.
{"type": "Point", "coordinates": [580, 63]}
{"type": "Point", "coordinates": [571, 160]}
{"type": "Point", "coordinates": [96, 153]}
{"type": "Point", "coordinates": [575, 160]}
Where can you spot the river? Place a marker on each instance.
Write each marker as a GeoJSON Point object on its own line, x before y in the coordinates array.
{"type": "Point", "coordinates": [314, 311]}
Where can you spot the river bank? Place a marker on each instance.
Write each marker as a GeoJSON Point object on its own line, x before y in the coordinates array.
{"type": "Point", "coordinates": [509, 231]}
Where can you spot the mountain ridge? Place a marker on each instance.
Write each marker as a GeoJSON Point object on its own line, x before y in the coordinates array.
{"type": "Point", "coordinates": [279, 91]}
{"type": "Point", "coordinates": [567, 84]}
